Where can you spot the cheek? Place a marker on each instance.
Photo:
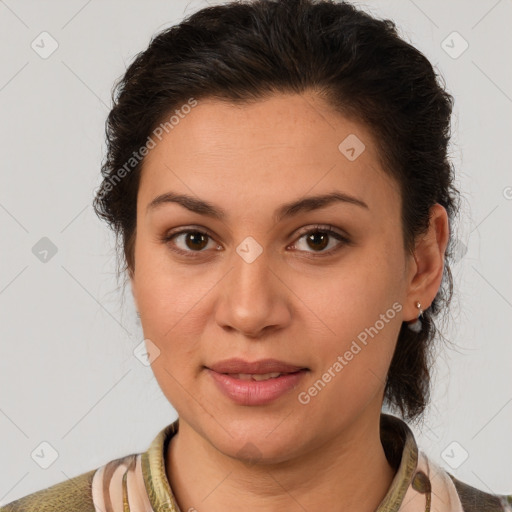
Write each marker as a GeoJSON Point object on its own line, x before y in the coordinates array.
{"type": "Point", "coordinates": [358, 312]}
{"type": "Point", "coordinates": [166, 292]}
{"type": "Point", "coordinates": [170, 306]}
{"type": "Point", "coordinates": [170, 309]}
{"type": "Point", "coordinates": [350, 297]}
{"type": "Point", "coordinates": [352, 366]}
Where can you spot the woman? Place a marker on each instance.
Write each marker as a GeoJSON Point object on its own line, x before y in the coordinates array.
{"type": "Point", "coordinates": [277, 175]}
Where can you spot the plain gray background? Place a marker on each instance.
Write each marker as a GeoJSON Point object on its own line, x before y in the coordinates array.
{"type": "Point", "coordinates": [68, 376]}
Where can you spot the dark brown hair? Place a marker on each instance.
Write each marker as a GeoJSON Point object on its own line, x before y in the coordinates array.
{"type": "Point", "coordinates": [246, 51]}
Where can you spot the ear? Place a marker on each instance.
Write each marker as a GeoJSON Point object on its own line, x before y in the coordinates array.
{"type": "Point", "coordinates": [426, 265]}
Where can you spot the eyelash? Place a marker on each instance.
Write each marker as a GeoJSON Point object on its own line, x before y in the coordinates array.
{"type": "Point", "coordinates": [317, 229]}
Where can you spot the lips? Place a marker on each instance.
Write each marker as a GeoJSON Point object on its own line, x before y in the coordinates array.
{"type": "Point", "coordinates": [255, 376]}
{"type": "Point", "coordinates": [261, 367]}
{"type": "Point", "coordinates": [255, 383]}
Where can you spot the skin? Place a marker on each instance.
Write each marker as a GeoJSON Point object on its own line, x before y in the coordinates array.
{"type": "Point", "coordinates": [249, 160]}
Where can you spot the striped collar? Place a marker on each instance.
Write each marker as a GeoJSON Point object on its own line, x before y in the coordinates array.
{"type": "Point", "coordinates": [397, 439]}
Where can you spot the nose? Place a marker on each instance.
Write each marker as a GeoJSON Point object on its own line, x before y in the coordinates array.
{"type": "Point", "coordinates": [253, 299]}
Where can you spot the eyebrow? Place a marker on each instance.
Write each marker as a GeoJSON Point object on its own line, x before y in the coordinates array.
{"type": "Point", "coordinates": [286, 210]}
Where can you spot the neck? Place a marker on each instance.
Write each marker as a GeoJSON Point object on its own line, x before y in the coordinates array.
{"type": "Point", "coordinates": [350, 472]}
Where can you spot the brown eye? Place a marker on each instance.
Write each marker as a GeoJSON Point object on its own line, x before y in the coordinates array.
{"type": "Point", "coordinates": [196, 240]}
{"type": "Point", "coordinates": [318, 240]}
{"type": "Point", "coordinates": [188, 242]}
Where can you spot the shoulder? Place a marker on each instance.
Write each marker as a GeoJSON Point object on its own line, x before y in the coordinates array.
{"type": "Point", "coordinates": [72, 494]}
{"type": "Point", "coordinates": [430, 484]}
{"type": "Point", "coordinates": [105, 487]}
{"type": "Point", "coordinates": [433, 488]}
{"type": "Point", "coordinates": [475, 500]}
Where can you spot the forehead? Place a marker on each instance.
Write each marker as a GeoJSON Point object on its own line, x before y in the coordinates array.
{"type": "Point", "coordinates": [283, 146]}
{"type": "Point", "coordinates": [285, 122]}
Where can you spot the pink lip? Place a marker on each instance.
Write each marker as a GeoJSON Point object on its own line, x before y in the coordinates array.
{"type": "Point", "coordinates": [251, 392]}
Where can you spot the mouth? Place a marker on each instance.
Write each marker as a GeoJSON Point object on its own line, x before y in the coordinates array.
{"type": "Point", "coordinates": [237, 366]}
{"type": "Point", "coordinates": [255, 376]}
{"type": "Point", "coordinates": [255, 383]}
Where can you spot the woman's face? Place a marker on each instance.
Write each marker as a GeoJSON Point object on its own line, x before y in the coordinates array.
{"type": "Point", "coordinates": [256, 286]}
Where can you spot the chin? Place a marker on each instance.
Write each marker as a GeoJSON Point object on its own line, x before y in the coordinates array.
{"type": "Point", "coordinates": [260, 452]}
{"type": "Point", "coordinates": [258, 442]}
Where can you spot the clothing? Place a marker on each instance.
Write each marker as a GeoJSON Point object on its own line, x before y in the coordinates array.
{"type": "Point", "coordinates": [138, 483]}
